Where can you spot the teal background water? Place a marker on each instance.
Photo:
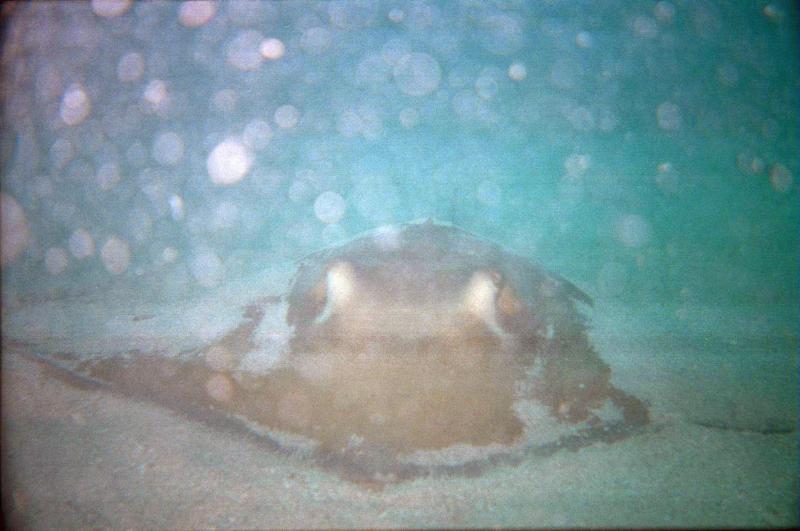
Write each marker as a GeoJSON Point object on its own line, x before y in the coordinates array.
{"type": "Point", "coordinates": [572, 164]}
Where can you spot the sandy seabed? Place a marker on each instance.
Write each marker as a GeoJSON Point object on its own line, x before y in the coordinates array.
{"type": "Point", "coordinates": [722, 450]}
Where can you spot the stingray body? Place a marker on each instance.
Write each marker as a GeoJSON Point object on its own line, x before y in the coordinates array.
{"type": "Point", "coordinates": [411, 349]}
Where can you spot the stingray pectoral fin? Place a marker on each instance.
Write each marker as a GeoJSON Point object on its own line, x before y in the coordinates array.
{"type": "Point", "coordinates": [634, 410]}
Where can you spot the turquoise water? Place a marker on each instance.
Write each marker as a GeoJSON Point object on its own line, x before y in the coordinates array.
{"type": "Point", "coordinates": [647, 151]}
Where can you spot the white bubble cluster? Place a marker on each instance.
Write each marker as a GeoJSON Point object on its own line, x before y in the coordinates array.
{"type": "Point", "coordinates": [329, 207]}
{"type": "Point", "coordinates": [669, 116]}
{"type": "Point", "coordinates": [81, 244]}
{"type": "Point", "coordinates": [196, 13]}
{"type": "Point", "coordinates": [168, 148]}
{"type": "Point", "coordinates": [417, 74]}
{"type": "Point", "coordinates": [14, 227]}
{"type": "Point", "coordinates": [115, 255]}
{"type": "Point", "coordinates": [229, 162]}
{"type": "Point", "coordinates": [75, 105]}
{"type": "Point", "coordinates": [56, 260]}
{"type": "Point", "coordinates": [286, 116]}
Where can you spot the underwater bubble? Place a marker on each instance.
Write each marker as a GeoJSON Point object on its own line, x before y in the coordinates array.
{"type": "Point", "coordinates": [244, 51]}
{"type": "Point", "coordinates": [669, 116]}
{"type": "Point", "coordinates": [727, 74]}
{"type": "Point", "coordinates": [315, 40]}
{"type": "Point", "coordinates": [61, 152]}
{"type": "Point", "coordinates": [395, 49]}
{"type": "Point", "coordinates": [224, 101]}
{"type": "Point", "coordinates": [645, 27]}
{"type": "Point", "coordinates": [206, 268]}
{"type": "Point", "coordinates": [576, 164]}
{"type": "Point", "coordinates": [299, 191]}
{"type": "Point", "coordinates": [409, 117]}
{"type": "Point", "coordinates": [56, 260]}
{"type": "Point", "coordinates": [286, 116]}
{"type": "Point", "coordinates": [130, 67]}
{"type": "Point", "coordinates": [229, 162]}
{"type": "Point", "coordinates": [81, 244]}
{"type": "Point", "coordinates": [580, 117]}
{"type": "Point", "coordinates": [176, 207]}
{"type": "Point", "coordinates": [75, 105]}
{"type": "Point", "coordinates": [13, 227]}
{"type": "Point", "coordinates": [155, 92]}
{"type": "Point", "coordinates": [225, 216]}
{"type": "Point", "coordinates": [196, 13]}
{"type": "Point", "coordinates": [257, 134]}
{"type": "Point", "coordinates": [168, 148]}
{"type": "Point", "coordinates": [329, 207]}
{"type": "Point", "coordinates": [517, 71]}
{"type": "Point", "coordinates": [584, 39]}
{"type": "Point", "coordinates": [667, 179]}
{"type": "Point", "coordinates": [169, 254]}
{"type": "Point", "coordinates": [565, 74]}
{"type": "Point", "coordinates": [486, 86]}
{"type": "Point", "coordinates": [773, 12]}
{"type": "Point", "coordinates": [501, 34]}
{"type": "Point", "coordinates": [272, 49]}
{"type": "Point", "coordinates": [115, 255]}
{"type": "Point", "coordinates": [110, 8]}
{"type": "Point", "coordinates": [396, 15]}
{"type": "Point", "coordinates": [632, 230]}
{"type": "Point", "coordinates": [664, 11]}
{"type": "Point", "coordinates": [489, 193]}
{"type": "Point", "coordinates": [108, 175]}
{"type": "Point", "coordinates": [373, 70]}
{"type": "Point", "coordinates": [417, 74]}
{"type": "Point", "coordinates": [781, 178]}
{"type": "Point", "coordinates": [349, 123]}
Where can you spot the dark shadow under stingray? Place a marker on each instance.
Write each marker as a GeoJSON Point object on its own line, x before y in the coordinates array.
{"type": "Point", "coordinates": [414, 359]}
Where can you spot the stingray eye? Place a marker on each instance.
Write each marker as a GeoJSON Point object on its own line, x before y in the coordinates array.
{"type": "Point", "coordinates": [479, 297]}
{"type": "Point", "coordinates": [335, 289]}
{"type": "Point", "coordinates": [340, 282]}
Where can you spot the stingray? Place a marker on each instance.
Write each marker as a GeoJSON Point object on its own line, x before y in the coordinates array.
{"type": "Point", "coordinates": [410, 350]}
